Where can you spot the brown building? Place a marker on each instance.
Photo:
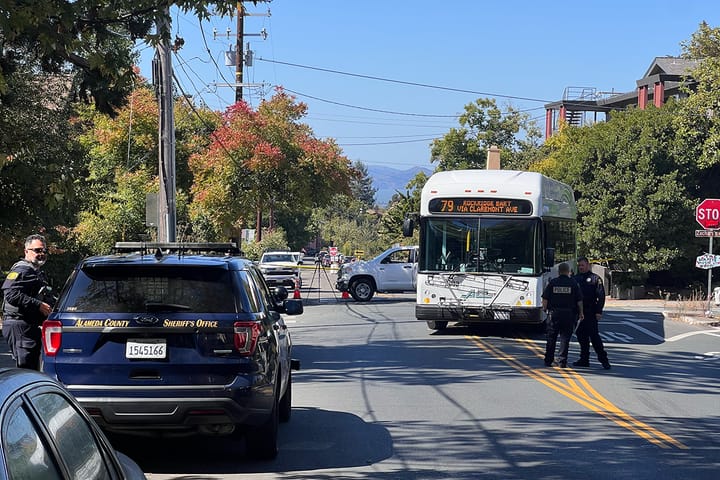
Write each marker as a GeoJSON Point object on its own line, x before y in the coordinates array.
{"type": "Point", "coordinates": [581, 105]}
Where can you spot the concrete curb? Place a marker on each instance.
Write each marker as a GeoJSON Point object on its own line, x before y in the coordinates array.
{"type": "Point", "coordinates": [702, 321]}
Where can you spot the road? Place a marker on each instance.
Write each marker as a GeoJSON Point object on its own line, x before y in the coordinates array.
{"type": "Point", "coordinates": [380, 397]}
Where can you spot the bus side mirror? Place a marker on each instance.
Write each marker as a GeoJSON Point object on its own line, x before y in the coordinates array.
{"type": "Point", "coordinates": [408, 226]}
{"type": "Point", "coordinates": [549, 257]}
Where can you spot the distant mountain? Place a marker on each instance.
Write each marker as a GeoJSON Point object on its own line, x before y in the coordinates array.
{"type": "Point", "coordinates": [388, 181]}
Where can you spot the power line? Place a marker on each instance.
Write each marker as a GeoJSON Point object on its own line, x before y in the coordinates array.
{"type": "Point", "coordinates": [370, 109]}
{"type": "Point", "coordinates": [385, 143]}
{"type": "Point", "coordinates": [402, 82]}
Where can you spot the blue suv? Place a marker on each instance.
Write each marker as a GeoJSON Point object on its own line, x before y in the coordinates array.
{"type": "Point", "coordinates": [172, 338]}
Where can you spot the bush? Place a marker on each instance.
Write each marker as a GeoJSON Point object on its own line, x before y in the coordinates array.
{"type": "Point", "coordinates": [275, 239]}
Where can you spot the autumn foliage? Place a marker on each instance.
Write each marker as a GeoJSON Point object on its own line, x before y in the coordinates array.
{"type": "Point", "coordinates": [264, 160]}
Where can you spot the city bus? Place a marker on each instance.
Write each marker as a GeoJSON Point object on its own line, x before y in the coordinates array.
{"type": "Point", "coordinates": [490, 240]}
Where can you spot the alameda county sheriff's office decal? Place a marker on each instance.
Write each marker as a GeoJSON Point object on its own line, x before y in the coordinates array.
{"type": "Point", "coordinates": [200, 323]}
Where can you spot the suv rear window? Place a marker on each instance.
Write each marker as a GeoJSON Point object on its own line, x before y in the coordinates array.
{"type": "Point", "coordinates": [119, 289]}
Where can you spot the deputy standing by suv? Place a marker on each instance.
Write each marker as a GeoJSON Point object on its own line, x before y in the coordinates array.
{"type": "Point", "coordinates": [23, 308]}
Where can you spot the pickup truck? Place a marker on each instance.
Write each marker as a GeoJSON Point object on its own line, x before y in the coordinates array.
{"type": "Point", "coordinates": [280, 268]}
{"type": "Point", "coordinates": [394, 270]}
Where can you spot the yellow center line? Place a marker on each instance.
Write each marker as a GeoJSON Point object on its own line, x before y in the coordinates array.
{"type": "Point", "coordinates": [577, 388]}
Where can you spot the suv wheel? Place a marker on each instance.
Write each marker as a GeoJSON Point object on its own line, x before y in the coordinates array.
{"type": "Point", "coordinates": [362, 290]}
{"type": "Point", "coordinates": [261, 442]}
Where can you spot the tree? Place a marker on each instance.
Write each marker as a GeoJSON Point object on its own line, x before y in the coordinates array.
{"type": "Point", "coordinates": [698, 123]}
{"type": "Point", "coordinates": [361, 186]}
{"type": "Point", "coordinates": [481, 126]}
{"type": "Point", "coordinates": [347, 223]}
{"type": "Point", "coordinates": [39, 160]}
{"type": "Point", "coordinates": [402, 206]}
{"type": "Point", "coordinates": [91, 40]}
{"type": "Point", "coordinates": [127, 144]}
{"type": "Point", "coordinates": [261, 162]}
{"type": "Point", "coordinates": [630, 184]}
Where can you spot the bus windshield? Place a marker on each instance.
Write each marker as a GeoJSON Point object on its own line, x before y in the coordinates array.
{"type": "Point", "coordinates": [481, 245]}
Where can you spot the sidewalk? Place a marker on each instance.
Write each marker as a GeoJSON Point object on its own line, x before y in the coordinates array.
{"type": "Point", "coordinates": [674, 310]}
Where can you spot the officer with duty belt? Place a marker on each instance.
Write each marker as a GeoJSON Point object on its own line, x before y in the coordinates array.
{"type": "Point", "coordinates": [563, 300]}
{"type": "Point", "coordinates": [24, 307]}
{"type": "Point", "coordinates": [593, 302]}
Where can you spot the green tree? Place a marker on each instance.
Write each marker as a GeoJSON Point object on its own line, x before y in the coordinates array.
{"type": "Point", "coordinates": [400, 207]}
{"type": "Point", "coordinates": [90, 39]}
{"type": "Point", "coordinates": [483, 125]}
{"type": "Point", "coordinates": [361, 186]}
{"type": "Point", "coordinates": [39, 160]}
{"type": "Point", "coordinates": [698, 123]}
{"type": "Point", "coordinates": [630, 184]}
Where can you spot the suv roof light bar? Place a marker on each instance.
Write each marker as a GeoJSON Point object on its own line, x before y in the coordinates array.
{"type": "Point", "coordinates": [179, 247]}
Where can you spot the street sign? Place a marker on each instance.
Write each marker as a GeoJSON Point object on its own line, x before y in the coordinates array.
{"type": "Point", "coordinates": [707, 233]}
{"type": "Point", "coordinates": [333, 251]}
{"type": "Point", "coordinates": [707, 213]}
{"type": "Point", "coordinates": [707, 261]}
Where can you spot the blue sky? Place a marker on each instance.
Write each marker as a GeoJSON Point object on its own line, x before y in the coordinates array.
{"type": "Point", "coordinates": [529, 50]}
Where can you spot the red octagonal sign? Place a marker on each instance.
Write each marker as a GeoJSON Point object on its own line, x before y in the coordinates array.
{"type": "Point", "coordinates": [707, 213]}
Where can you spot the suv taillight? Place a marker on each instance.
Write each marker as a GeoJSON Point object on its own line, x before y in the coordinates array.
{"type": "Point", "coordinates": [246, 335]}
{"type": "Point", "coordinates": [51, 337]}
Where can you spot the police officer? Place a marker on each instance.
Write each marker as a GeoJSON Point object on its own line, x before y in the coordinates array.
{"type": "Point", "coordinates": [563, 300]}
{"type": "Point", "coordinates": [593, 303]}
{"type": "Point", "coordinates": [23, 309]}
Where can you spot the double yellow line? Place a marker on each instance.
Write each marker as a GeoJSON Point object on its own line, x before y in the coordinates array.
{"type": "Point", "coordinates": [575, 387]}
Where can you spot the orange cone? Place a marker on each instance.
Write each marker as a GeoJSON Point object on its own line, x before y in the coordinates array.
{"type": "Point", "coordinates": [345, 295]}
{"type": "Point", "coordinates": [296, 294]}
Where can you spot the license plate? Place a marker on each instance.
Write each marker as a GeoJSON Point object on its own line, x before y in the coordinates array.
{"type": "Point", "coordinates": [145, 348]}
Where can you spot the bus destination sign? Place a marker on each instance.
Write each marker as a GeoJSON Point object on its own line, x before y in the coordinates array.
{"type": "Point", "coordinates": [480, 206]}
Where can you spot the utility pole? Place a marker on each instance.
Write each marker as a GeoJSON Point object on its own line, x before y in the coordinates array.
{"type": "Point", "coordinates": [241, 57]}
{"type": "Point", "coordinates": [239, 51]}
{"type": "Point", "coordinates": [166, 136]}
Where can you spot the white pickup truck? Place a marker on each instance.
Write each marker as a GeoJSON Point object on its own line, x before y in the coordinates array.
{"type": "Point", "coordinates": [394, 270]}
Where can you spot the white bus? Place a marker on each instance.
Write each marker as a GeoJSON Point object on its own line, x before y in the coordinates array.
{"type": "Point", "coordinates": [490, 240]}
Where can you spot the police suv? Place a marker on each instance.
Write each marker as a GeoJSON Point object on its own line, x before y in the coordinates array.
{"type": "Point", "coordinates": [172, 338]}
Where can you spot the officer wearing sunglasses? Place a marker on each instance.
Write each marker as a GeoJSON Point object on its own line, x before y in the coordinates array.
{"type": "Point", "coordinates": [23, 308]}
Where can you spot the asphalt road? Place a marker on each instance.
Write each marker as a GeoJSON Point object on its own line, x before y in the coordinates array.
{"type": "Point", "coordinates": [380, 397]}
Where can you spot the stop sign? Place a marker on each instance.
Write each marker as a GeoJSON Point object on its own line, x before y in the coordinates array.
{"type": "Point", "coordinates": [707, 213]}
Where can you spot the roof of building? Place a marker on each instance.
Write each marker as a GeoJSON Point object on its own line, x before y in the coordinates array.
{"type": "Point", "coordinates": [671, 66]}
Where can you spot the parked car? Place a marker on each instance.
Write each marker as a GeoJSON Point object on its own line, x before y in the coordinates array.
{"type": "Point", "coordinates": [394, 270]}
{"type": "Point", "coordinates": [46, 434]}
{"type": "Point", "coordinates": [175, 339]}
{"type": "Point", "coordinates": [281, 268]}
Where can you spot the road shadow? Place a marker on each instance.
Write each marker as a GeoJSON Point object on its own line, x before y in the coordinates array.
{"type": "Point", "coordinates": [313, 439]}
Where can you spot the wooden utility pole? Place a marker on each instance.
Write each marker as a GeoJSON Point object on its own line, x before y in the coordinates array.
{"type": "Point", "coordinates": [239, 51]}
{"type": "Point", "coordinates": [166, 137]}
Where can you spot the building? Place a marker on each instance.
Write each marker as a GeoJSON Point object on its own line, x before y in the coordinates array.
{"type": "Point", "coordinates": [579, 106]}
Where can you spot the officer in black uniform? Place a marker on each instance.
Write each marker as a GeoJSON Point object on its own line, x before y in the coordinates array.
{"type": "Point", "coordinates": [563, 300]}
{"type": "Point", "coordinates": [23, 309]}
{"type": "Point", "coordinates": [593, 304]}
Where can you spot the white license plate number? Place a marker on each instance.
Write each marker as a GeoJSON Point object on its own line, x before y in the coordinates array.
{"type": "Point", "coordinates": [146, 348]}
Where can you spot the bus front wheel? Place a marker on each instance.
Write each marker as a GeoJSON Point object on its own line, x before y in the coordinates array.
{"type": "Point", "coordinates": [436, 325]}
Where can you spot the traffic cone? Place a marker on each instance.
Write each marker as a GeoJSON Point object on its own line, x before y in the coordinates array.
{"type": "Point", "coordinates": [345, 295]}
{"type": "Point", "coordinates": [296, 294]}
